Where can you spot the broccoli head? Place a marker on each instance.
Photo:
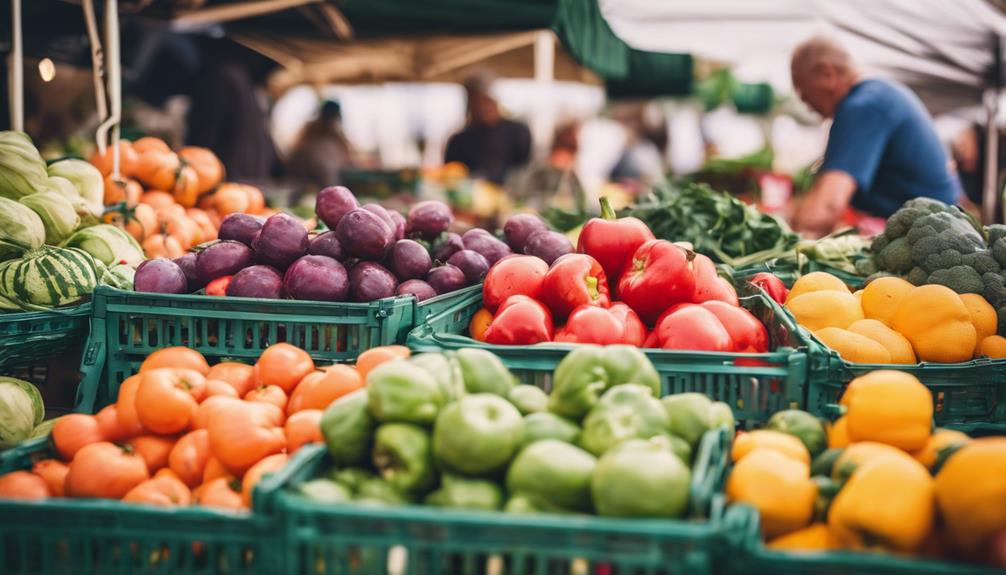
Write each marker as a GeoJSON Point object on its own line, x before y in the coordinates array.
{"type": "Point", "coordinates": [866, 266]}
{"type": "Point", "coordinates": [1001, 328]}
{"type": "Point", "coordinates": [983, 261]}
{"type": "Point", "coordinates": [995, 289]}
{"type": "Point", "coordinates": [998, 249]}
{"type": "Point", "coordinates": [961, 279]}
{"type": "Point", "coordinates": [896, 257]}
{"type": "Point", "coordinates": [917, 276]}
{"type": "Point", "coordinates": [880, 241]}
{"type": "Point", "coordinates": [939, 240]}
{"type": "Point", "coordinates": [902, 220]}
{"type": "Point", "coordinates": [995, 232]}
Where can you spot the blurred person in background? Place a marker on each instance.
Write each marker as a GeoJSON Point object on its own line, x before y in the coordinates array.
{"type": "Point", "coordinates": [552, 188]}
{"type": "Point", "coordinates": [882, 148]}
{"type": "Point", "coordinates": [968, 150]}
{"type": "Point", "coordinates": [489, 144]}
{"type": "Point", "coordinates": [320, 152]}
{"type": "Point", "coordinates": [229, 112]}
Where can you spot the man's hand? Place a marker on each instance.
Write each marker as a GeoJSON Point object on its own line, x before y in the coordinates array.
{"type": "Point", "coordinates": [823, 207]}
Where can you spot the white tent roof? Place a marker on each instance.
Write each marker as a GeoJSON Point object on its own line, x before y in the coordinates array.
{"type": "Point", "coordinates": [942, 48]}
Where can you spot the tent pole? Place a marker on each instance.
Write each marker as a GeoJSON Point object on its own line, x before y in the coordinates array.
{"type": "Point", "coordinates": [15, 70]}
{"type": "Point", "coordinates": [990, 191]}
{"type": "Point", "coordinates": [544, 73]}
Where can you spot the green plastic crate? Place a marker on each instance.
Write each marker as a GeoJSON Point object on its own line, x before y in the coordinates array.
{"type": "Point", "coordinates": [754, 385]}
{"type": "Point", "coordinates": [357, 539]}
{"type": "Point", "coordinates": [95, 536]}
{"type": "Point", "coordinates": [30, 337]}
{"type": "Point", "coordinates": [132, 325]}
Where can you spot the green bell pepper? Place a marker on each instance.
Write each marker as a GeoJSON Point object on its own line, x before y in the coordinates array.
{"type": "Point", "coordinates": [377, 491]}
{"type": "Point", "coordinates": [483, 371]}
{"type": "Point", "coordinates": [477, 434]}
{"type": "Point", "coordinates": [554, 472]}
{"type": "Point", "coordinates": [462, 492]}
{"type": "Point", "coordinates": [347, 427]}
{"type": "Point", "coordinates": [403, 457]}
{"type": "Point", "coordinates": [588, 371]}
{"type": "Point", "coordinates": [625, 411]}
{"type": "Point", "coordinates": [528, 399]}
{"type": "Point", "coordinates": [445, 371]}
{"type": "Point", "coordinates": [351, 477]}
{"type": "Point", "coordinates": [402, 392]}
{"type": "Point", "coordinates": [641, 478]}
{"type": "Point", "coordinates": [547, 425]}
{"type": "Point", "coordinates": [691, 415]}
{"type": "Point", "coordinates": [325, 491]}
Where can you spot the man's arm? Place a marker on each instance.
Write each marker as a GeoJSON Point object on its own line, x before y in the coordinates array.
{"type": "Point", "coordinates": [824, 205]}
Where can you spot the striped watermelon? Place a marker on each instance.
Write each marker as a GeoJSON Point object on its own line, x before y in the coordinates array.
{"type": "Point", "coordinates": [47, 277]}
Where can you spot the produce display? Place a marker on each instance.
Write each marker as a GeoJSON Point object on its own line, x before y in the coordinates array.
{"type": "Point", "coordinates": [53, 249]}
{"type": "Point", "coordinates": [892, 321]}
{"type": "Point", "coordinates": [879, 479]}
{"type": "Point", "coordinates": [622, 286]}
{"type": "Point", "coordinates": [456, 430]}
{"type": "Point", "coordinates": [180, 431]}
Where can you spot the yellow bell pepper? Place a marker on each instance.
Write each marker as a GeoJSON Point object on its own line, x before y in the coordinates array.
{"type": "Point", "coordinates": [788, 445]}
{"type": "Point", "coordinates": [838, 433]}
{"type": "Point", "coordinates": [887, 502]}
{"type": "Point", "coordinates": [971, 493]}
{"type": "Point", "coordinates": [938, 441]}
{"type": "Point", "coordinates": [857, 454]}
{"type": "Point", "coordinates": [891, 407]}
{"type": "Point", "coordinates": [778, 486]}
{"type": "Point", "coordinates": [817, 537]}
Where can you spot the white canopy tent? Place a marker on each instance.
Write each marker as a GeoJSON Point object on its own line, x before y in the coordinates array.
{"type": "Point", "coordinates": [949, 51]}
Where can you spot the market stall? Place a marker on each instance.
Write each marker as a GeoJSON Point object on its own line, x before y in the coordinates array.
{"type": "Point", "coordinates": [682, 386]}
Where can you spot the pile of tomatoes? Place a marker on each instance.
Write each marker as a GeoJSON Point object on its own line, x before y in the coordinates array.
{"type": "Point", "coordinates": [184, 433]}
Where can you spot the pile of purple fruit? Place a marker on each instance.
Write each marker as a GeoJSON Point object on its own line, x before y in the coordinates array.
{"type": "Point", "coordinates": [369, 253]}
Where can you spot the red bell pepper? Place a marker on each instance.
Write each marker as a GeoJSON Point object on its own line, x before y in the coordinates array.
{"type": "Point", "coordinates": [709, 286]}
{"type": "Point", "coordinates": [611, 241]}
{"type": "Point", "coordinates": [592, 324]}
{"type": "Point", "coordinates": [572, 281]}
{"type": "Point", "coordinates": [218, 286]}
{"type": "Point", "coordinates": [513, 275]}
{"type": "Point", "coordinates": [772, 285]}
{"type": "Point", "coordinates": [659, 275]}
{"type": "Point", "coordinates": [746, 332]}
{"type": "Point", "coordinates": [690, 327]}
{"type": "Point", "coordinates": [520, 321]}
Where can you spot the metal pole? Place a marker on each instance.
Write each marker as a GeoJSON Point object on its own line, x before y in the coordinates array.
{"type": "Point", "coordinates": [543, 122]}
{"type": "Point", "coordinates": [990, 189]}
{"type": "Point", "coordinates": [97, 69]}
{"type": "Point", "coordinates": [15, 70]}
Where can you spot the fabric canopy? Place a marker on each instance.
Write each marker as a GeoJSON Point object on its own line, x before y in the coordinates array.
{"type": "Point", "coordinates": [943, 49]}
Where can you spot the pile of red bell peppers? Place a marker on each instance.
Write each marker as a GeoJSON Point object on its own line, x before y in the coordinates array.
{"type": "Point", "coordinates": [622, 287]}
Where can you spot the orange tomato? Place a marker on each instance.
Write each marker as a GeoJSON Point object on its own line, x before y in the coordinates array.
{"type": "Point", "coordinates": [157, 199]}
{"type": "Point", "coordinates": [23, 485]}
{"type": "Point", "coordinates": [125, 407]}
{"type": "Point", "coordinates": [214, 470]}
{"type": "Point", "coordinates": [243, 433]}
{"type": "Point", "coordinates": [186, 187]}
{"type": "Point", "coordinates": [106, 470]}
{"type": "Point", "coordinates": [128, 158]}
{"type": "Point", "coordinates": [241, 376]}
{"type": "Point", "coordinates": [108, 424]}
{"type": "Point", "coordinates": [162, 491]}
{"type": "Point", "coordinates": [180, 357]}
{"type": "Point", "coordinates": [272, 394]}
{"type": "Point", "coordinates": [270, 464]}
{"type": "Point", "coordinates": [150, 143]}
{"type": "Point", "coordinates": [189, 455]}
{"type": "Point", "coordinates": [53, 471]}
{"type": "Point", "coordinates": [154, 450]}
{"type": "Point", "coordinates": [231, 198]}
{"type": "Point", "coordinates": [219, 387]}
{"type": "Point", "coordinates": [303, 427]}
{"type": "Point", "coordinates": [222, 492]}
{"type": "Point", "coordinates": [207, 229]}
{"type": "Point", "coordinates": [122, 190]}
{"type": "Point", "coordinates": [284, 365]}
{"type": "Point", "coordinates": [206, 408]}
{"type": "Point", "coordinates": [166, 399]}
{"type": "Point", "coordinates": [158, 169]}
{"type": "Point", "coordinates": [256, 201]}
{"type": "Point", "coordinates": [179, 228]}
{"type": "Point", "coordinates": [162, 246]}
{"type": "Point", "coordinates": [375, 356]}
{"type": "Point", "coordinates": [208, 167]}
{"type": "Point", "coordinates": [320, 388]}
{"type": "Point", "coordinates": [479, 324]}
{"type": "Point", "coordinates": [143, 223]}
{"type": "Point", "coordinates": [73, 432]}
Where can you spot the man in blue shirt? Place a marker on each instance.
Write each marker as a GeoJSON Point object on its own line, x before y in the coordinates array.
{"type": "Point", "coordinates": [882, 148]}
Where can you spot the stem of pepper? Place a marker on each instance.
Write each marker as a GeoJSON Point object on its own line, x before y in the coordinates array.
{"type": "Point", "coordinates": [591, 282]}
{"type": "Point", "coordinates": [607, 213]}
